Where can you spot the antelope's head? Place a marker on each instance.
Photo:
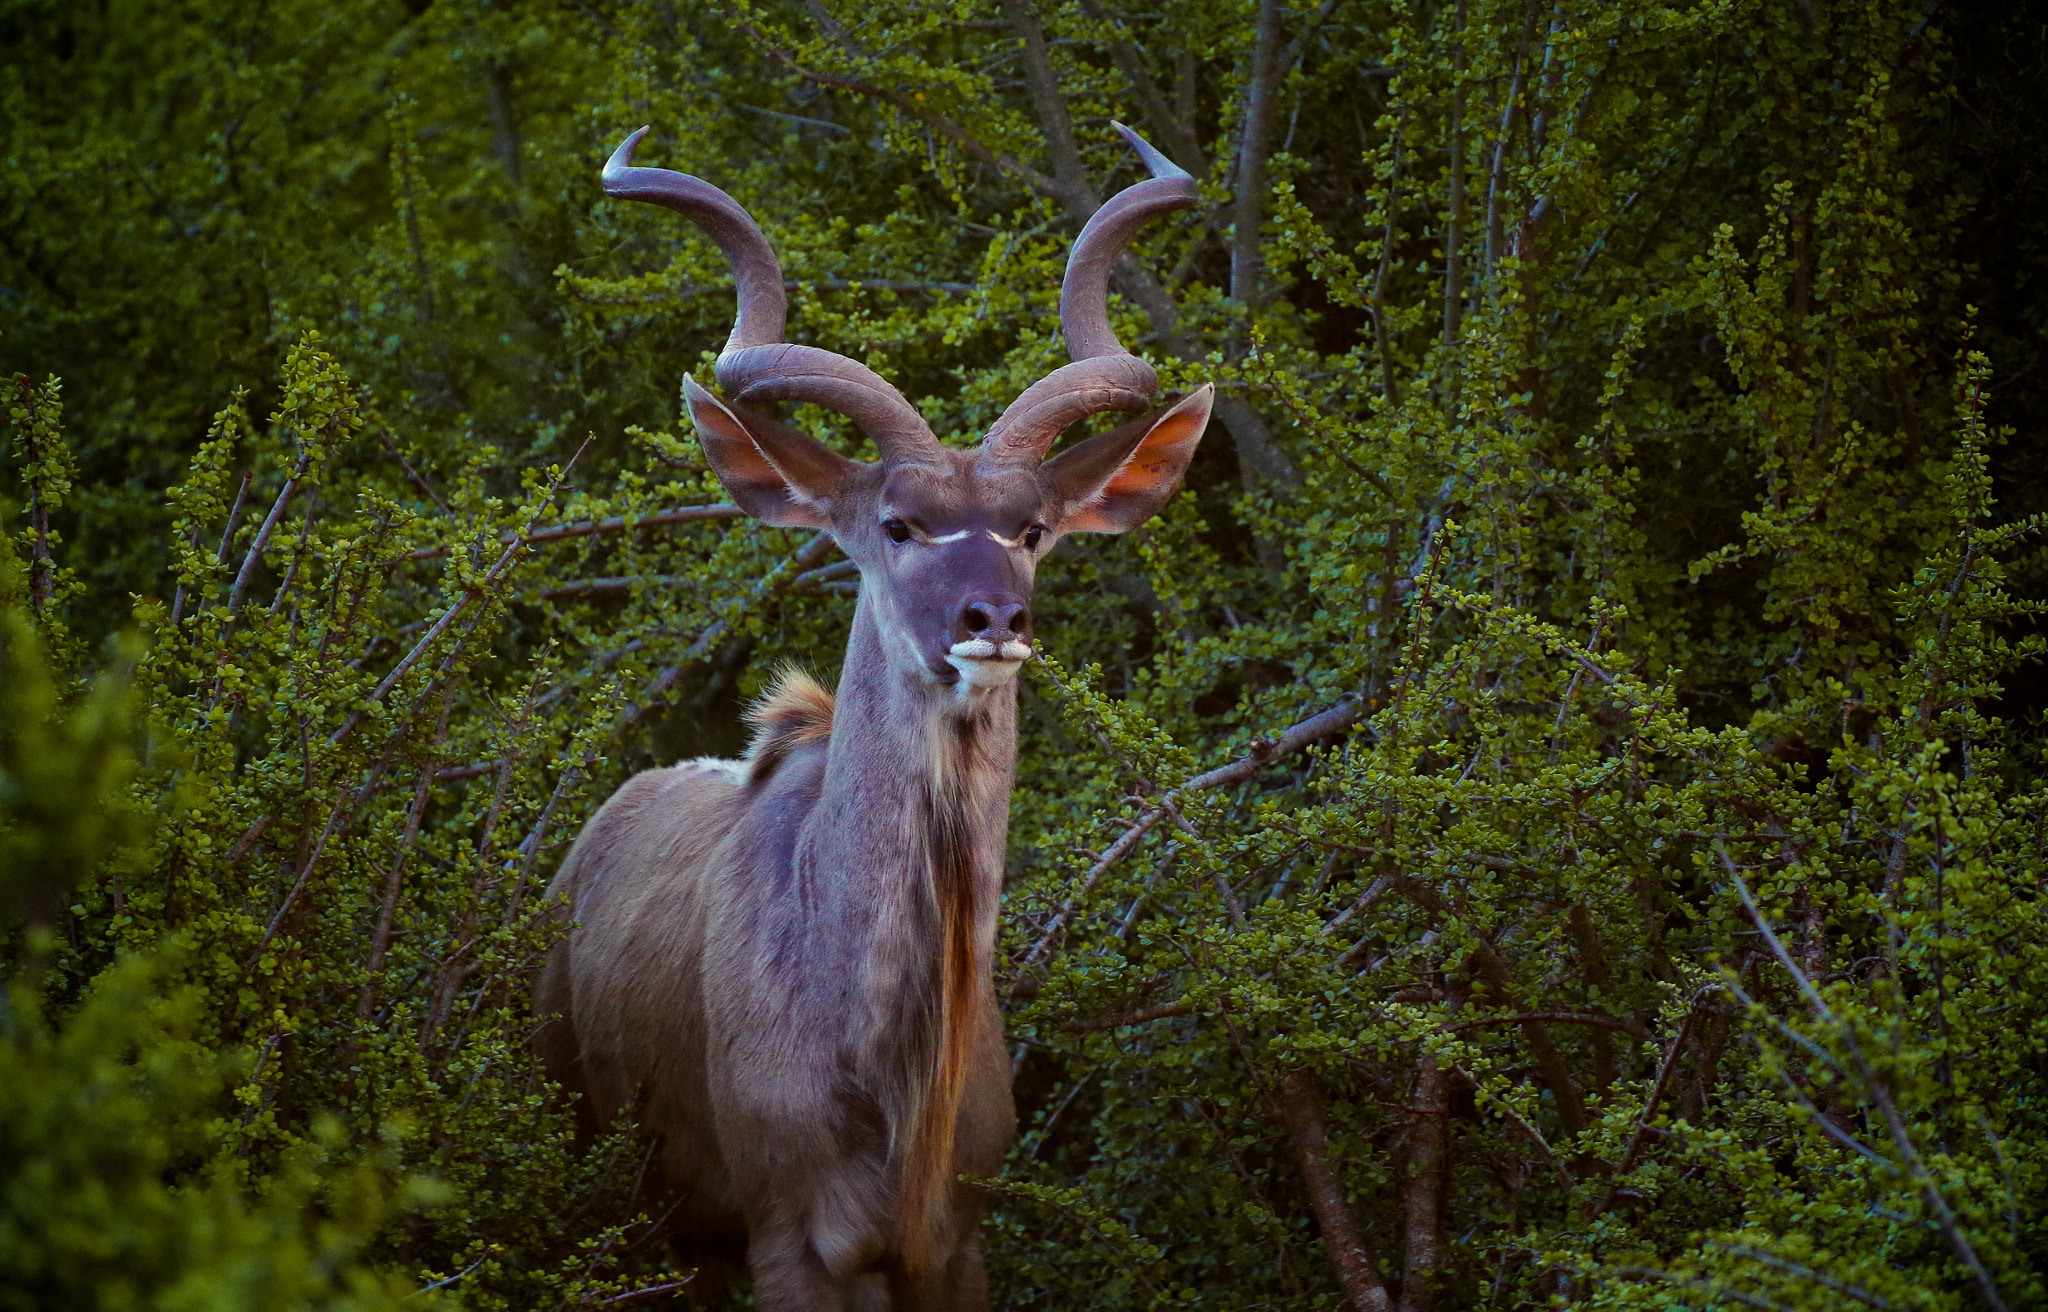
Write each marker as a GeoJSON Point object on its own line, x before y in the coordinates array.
{"type": "Point", "coordinates": [948, 541]}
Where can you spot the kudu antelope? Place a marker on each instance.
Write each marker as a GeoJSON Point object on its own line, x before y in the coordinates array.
{"type": "Point", "coordinates": [781, 965]}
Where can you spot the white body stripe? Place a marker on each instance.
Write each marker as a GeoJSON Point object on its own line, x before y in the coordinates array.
{"type": "Point", "coordinates": [735, 771]}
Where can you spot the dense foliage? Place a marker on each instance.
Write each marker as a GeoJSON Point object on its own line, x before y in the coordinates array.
{"type": "Point", "coordinates": [1541, 819]}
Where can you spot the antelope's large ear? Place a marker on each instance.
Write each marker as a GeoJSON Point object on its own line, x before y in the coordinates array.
{"type": "Point", "coordinates": [1115, 481]}
{"type": "Point", "coordinates": [776, 474]}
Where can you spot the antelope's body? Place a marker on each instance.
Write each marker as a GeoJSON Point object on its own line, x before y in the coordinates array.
{"type": "Point", "coordinates": [782, 966]}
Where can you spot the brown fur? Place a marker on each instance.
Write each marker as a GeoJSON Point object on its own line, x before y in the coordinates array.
{"type": "Point", "coordinates": [926, 1186]}
{"type": "Point", "coordinates": [797, 711]}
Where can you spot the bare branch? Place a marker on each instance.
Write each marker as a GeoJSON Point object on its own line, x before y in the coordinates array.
{"type": "Point", "coordinates": [645, 1291]}
{"type": "Point", "coordinates": [344, 801]}
{"type": "Point", "coordinates": [903, 104]}
{"type": "Point", "coordinates": [1454, 274]}
{"type": "Point", "coordinates": [805, 557]}
{"type": "Point", "coordinates": [613, 524]}
{"type": "Point", "coordinates": [385, 439]}
{"type": "Point", "coordinates": [1804, 1272]}
{"type": "Point", "coordinates": [1496, 180]}
{"type": "Point", "coordinates": [1563, 1178]}
{"type": "Point", "coordinates": [797, 119]}
{"type": "Point", "coordinates": [42, 581]}
{"type": "Point", "coordinates": [1642, 1131]}
{"type": "Point", "coordinates": [1621, 1023]}
{"type": "Point", "coordinates": [1164, 1011]}
{"type": "Point", "coordinates": [694, 290]}
{"type": "Point", "coordinates": [227, 535]}
{"type": "Point", "coordinates": [469, 594]}
{"type": "Point", "coordinates": [1880, 1094]}
{"type": "Point", "coordinates": [1299, 45]}
{"type": "Point", "coordinates": [394, 882]}
{"type": "Point", "coordinates": [1704, 1286]}
{"type": "Point", "coordinates": [1382, 343]}
{"type": "Point", "coordinates": [1571, 1107]}
{"type": "Point", "coordinates": [626, 582]}
{"type": "Point", "coordinates": [250, 561]}
{"type": "Point", "coordinates": [1263, 751]}
{"type": "Point", "coordinates": [1248, 206]}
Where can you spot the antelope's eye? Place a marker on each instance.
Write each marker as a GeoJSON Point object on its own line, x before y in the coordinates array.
{"type": "Point", "coordinates": [1032, 536]}
{"type": "Point", "coordinates": [897, 530]}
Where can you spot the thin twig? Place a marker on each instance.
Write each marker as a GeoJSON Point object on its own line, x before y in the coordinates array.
{"type": "Point", "coordinates": [804, 558]}
{"type": "Point", "coordinates": [614, 524]}
{"type": "Point", "coordinates": [1564, 1180]}
{"type": "Point", "coordinates": [1804, 1272]}
{"type": "Point", "coordinates": [394, 882]}
{"type": "Point", "coordinates": [926, 286]}
{"type": "Point", "coordinates": [341, 802]}
{"type": "Point", "coordinates": [1707, 1286]}
{"type": "Point", "coordinates": [820, 577]}
{"type": "Point", "coordinates": [905, 105]}
{"type": "Point", "coordinates": [449, 1280]}
{"type": "Point", "coordinates": [469, 594]}
{"type": "Point", "coordinates": [1625, 1025]}
{"type": "Point", "coordinates": [250, 561]}
{"type": "Point", "coordinates": [384, 437]}
{"type": "Point", "coordinates": [645, 1291]}
{"type": "Point", "coordinates": [1642, 1130]}
{"type": "Point", "coordinates": [1163, 1011]}
{"type": "Point", "coordinates": [1930, 1193]}
{"type": "Point", "coordinates": [1263, 751]}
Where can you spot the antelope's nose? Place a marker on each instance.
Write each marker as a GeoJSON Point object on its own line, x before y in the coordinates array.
{"type": "Point", "coordinates": [997, 618]}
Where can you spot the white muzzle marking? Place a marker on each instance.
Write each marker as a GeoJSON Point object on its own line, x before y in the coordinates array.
{"type": "Point", "coordinates": [984, 666]}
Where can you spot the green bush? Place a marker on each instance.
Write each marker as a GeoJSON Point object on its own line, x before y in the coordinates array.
{"type": "Point", "coordinates": [114, 1192]}
{"type": "Point", "coordinates": [1539, 821]}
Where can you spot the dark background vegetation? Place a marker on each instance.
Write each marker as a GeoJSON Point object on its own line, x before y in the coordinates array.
{"type": "Point", "coordinates": [1620, 513]}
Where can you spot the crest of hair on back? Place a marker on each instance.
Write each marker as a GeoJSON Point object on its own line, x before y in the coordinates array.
{"type": "Point", "coordinates": [796, 710]}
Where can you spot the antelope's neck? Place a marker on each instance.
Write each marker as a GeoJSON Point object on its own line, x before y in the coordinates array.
{"type": "Point", "coordinates": [916, 794]}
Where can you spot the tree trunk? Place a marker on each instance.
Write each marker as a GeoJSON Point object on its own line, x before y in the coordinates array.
{"type": "Point", "coordinates": [1294, 1107]}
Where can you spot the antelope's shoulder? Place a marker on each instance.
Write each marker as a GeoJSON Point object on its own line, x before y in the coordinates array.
{"type": "Point", "coordinates": [689, 793]}
{"type": "Point", "coordinates": [687, 797]}
{"type": "Point", "coordinates": [796, 712]}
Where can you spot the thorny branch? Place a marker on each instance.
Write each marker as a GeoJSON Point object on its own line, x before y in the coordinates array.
{"type": "Point", "coordinates": [780, 580]}
{"type": "Point", "coordinates": [469, 594]}
{"type": "Point", "coordinates": [589, 527]}
{"type": "Point", "coordinates": [1879, 1093]}
{"type": "Point", "coordinates": [1263, 752]}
